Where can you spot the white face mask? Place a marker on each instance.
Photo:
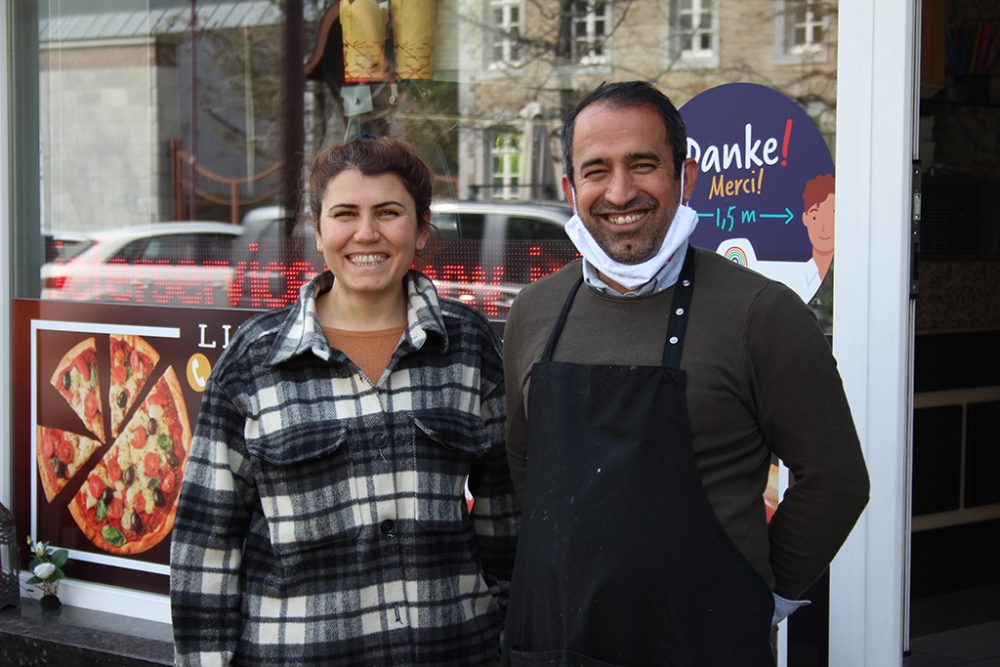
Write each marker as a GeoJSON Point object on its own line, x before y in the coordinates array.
{"type": "Point", "coordinates": [633, 275]}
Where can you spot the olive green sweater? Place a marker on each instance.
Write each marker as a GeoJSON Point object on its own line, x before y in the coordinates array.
{"type": "Point", "coordinates": [761, 379]}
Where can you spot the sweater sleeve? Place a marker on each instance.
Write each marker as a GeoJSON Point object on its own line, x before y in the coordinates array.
{"type": "Point", "coordinates": [207, 541]}
{"type": "Point", "coordinates": [517, 420]}
{"type": "Point", "coordinates": [806, 421]}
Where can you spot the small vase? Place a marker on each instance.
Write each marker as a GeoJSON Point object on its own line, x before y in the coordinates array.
{"type": "Point", "coordinates": [51, 604]}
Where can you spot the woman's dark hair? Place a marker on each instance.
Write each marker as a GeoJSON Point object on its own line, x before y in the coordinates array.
{"type": "Point", "coordinates": [624, 94]}
{"type": "Point", "coordinates": [372, 156]}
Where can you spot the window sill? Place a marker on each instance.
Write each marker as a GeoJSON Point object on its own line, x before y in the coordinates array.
{"type": "Point", "coordinates": [81, 637]}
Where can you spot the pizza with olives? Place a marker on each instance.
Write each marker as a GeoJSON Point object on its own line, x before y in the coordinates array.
{"type": "Point", "coordinates": [128, 502]}
{"type": "Point", "coordinates": [59, 455]}
{"type": "Point", "coordinates": [132, 363]}
{"type": "Point", "coordinates": [76, 379]}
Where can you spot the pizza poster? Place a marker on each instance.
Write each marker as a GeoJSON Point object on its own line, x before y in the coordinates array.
{"type": "Point", "coordinates": [765, 192]}
{"type": "Point", "coordinates": [104, 415]}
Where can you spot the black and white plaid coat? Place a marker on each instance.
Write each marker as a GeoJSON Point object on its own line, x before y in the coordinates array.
{"type": "Point", "coordinates": [322, 519]}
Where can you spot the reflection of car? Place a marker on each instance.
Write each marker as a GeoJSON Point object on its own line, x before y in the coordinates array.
{"type": "Point", "coordinates": [62, 246]}
{"type": "Point", "coordinates": [274, 256]}
{"type": "Point", "coordinates": [177, 263]}
{"type": "Point", "coordinates": [488, 251]}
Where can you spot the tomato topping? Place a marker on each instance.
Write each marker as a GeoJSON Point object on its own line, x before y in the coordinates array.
{"type": "Point", "coordinates": [118, 374]}
{"type": "Point", "coordinates": [135, 361]}
{"type": "Point", "coordinates": [96, 486]}
{"type": "Point", "coordinates": [159, 397]}
{"type": "Point", "coordinates": [151, 464]}
{"type": "Point", "coordinates": [48, 447]}
{"type": "Point", "coordinates": [117, 508]}
{"type": "Point", "coordinates": [90, 404]}
{"type": "Point", "coordinates": [65, 452]}
{"type": "Point", "coordinates": [114, 470]}
{"type": "Point", "coordinates": [168, 481]}
{"type": "Point", "coordinates": [139, 438]}
{"type": "Point", "coordinates": [81, 366]}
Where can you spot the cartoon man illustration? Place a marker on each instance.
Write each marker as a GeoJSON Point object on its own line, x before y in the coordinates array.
{"type": "Point", "coordinates": [818, 216]}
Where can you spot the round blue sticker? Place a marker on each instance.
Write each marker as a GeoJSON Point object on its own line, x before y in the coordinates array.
{"type": "Point", "coordinates": [765, 191]}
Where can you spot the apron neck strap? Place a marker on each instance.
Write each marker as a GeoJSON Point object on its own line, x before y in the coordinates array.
{"type": "Point", "coordinates": [680, 311]}
{"type": "Point", "coordinates": [557, 329]}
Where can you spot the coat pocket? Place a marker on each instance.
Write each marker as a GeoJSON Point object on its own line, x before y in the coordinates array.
{"type": "Point", "coordinates": [307, 487]}
{"type": "Point", "coordinates": [447, 443]}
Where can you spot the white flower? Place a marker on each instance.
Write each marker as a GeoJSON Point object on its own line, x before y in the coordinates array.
{"type": "Point", "coordinates": [44, 570]}
{"type": "Point", "coordinates": [39, 549]}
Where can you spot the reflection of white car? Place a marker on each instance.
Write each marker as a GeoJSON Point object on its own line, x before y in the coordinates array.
{"type": "Point", "coordinates": [489, 250]}
{"type": "Point", "coordinates": [177, 263]}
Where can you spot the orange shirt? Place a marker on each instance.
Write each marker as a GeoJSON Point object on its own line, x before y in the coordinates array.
{"type": "Point", "coordinates": [370, 350]}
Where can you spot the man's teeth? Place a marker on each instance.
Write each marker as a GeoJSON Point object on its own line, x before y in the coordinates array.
{"type": "Point", "coordinates": [624, 219]}
{"type": "Point", "coordinates": [367, 260]}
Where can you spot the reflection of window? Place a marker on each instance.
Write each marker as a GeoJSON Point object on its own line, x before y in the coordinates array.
{"type": "Point", "coordinates": [805, 28]}
{"type": "Point", "coordinates": [694, 29]}
{"type": "Point", "coordinates": [506, 24]}
{"type": "Point", "coordinates": [591, 25]}
{"type": "Point", "coordinates": [505, 158]}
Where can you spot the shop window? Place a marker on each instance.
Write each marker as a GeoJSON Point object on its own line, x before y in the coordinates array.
{"type": "Point", "coordinates": [695, 32]}
{"type": "Point", "coordinates": [505, 23]}
{"type": "Point", "coordinates": [505, 158]}
{"type": "Point", "coordinates": [591, 23]}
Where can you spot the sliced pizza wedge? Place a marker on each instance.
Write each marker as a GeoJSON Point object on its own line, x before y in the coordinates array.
{"type": "Point", "coordinates": [60, 455]}
{"type": "Point", "coordinates": [129, 501]}
{"type": "Point", "coordinates": [132, 363]}
{"type": "Point", "coordinates": [76, 379]}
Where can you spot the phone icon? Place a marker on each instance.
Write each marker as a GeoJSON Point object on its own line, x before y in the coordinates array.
{"type": "Point", "coordinates": [198, 370]}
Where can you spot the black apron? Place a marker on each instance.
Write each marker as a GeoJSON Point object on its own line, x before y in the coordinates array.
{"type": "Point", "coordinates": [621, 559]}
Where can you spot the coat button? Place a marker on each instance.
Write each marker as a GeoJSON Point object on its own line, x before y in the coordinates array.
{"type": "Point", "coordinates": [388, 526]}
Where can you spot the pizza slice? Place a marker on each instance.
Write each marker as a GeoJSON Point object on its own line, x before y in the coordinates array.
{"type": "Point", "coordinates": [60, 454]}
{"type": "Point", "coordinates": [132, 363]}
{"type": "Point", "coordinates": [129, 501]}
{"type": "Point", "coordinates": [76, 379]}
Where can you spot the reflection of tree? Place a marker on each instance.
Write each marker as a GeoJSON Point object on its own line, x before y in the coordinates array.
{"type": "Point", "coordinates": [638, 45]}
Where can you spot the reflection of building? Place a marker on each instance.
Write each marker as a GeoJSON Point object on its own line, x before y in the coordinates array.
{"type": "Point", "coordinates": [516, 76]}
{"type": "Point", "coordinates": [138, 66]}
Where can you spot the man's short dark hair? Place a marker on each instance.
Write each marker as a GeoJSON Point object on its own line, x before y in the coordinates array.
{"type": "Point", "coordinates": [629, 94]}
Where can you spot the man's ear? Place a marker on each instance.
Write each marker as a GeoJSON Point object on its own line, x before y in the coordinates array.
{"type": "Point", "coordinates": [690, 178]}
{"type": "Point", "coordinates": [567, 188]}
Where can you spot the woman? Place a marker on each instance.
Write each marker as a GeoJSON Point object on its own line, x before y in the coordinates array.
{"type": "Point", "coordinates": [322, 518]}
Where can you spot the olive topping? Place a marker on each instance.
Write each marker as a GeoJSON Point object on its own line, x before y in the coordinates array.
{"type": "Point", "coordinates": [67, 380]}
{"type": "Point", "coordinates": [158, 497]}
{"type": "Point", "coordinates": [60, 470]}
{"type": "Point", "coordinates": [172, 459]}
{"type": "Point", "coordinates": [122, 399]}
{"type": "Point", "coordinates": [128, 475]}
{"type": "Point", "coordinates": [108, 496]}
{"type": "Point", "coordinates": [136, 523]}
{"type": "Point", "coordinates": [151, 427]}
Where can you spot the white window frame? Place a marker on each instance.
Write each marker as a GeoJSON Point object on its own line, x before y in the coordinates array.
{"type": "Point", "coordinates": [696, 56]}
{"type": "Point", "coordinates": [591, 39]}
{"type": "Point", "coordinates": [504, 34]}
{"type": "Point", "coordinates": [786, 26]}
{"type": "Point", "coordinates": [510, 179]}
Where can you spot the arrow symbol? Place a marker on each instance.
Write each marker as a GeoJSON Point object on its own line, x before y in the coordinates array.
{"type": "Point", "coordinates": [787, 215]}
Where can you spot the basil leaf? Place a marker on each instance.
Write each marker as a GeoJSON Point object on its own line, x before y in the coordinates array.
{"type": "Point", "coordinates": [165, 443]}
{"type": "Point", "coordinates": [102, 510]}
{"type": "Point", "coordinates": [153, 483]}
{"type": "Point", "coordinates": [113, 535]}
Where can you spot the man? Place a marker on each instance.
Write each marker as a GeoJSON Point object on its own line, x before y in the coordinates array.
{"type": "Point", "coordinates": [645, 398]}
